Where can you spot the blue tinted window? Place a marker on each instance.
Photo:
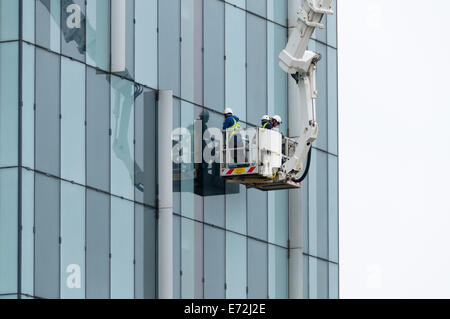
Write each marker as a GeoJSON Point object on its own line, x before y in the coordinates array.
{"type": "Point", "coordinates": [73, 29]}
{"type": "Point", "coordinates": [214, 63]}
{"type": "Point", "coordinates": [47, 112]}
{"type": "Point", "coordinates": [122, 139]}
{"type": "Point", "coordinates": [235, 51]}
{"type": "Point", "coordinates": [98, 33]}
{"type": "Point", "coordinates": [8, 231]}
{"type": "Point", "coordinates": [28, 67]}
{"type": "Point", "coordinates": [256, 69]}
{"type": "Point", "coordinates": [27, 232]}
{"type": "Point", "coordinates": [236, 266]}
{"type": "Point", "coordinates": [122, 249]}
{"type": "Point", "coordinates": [146, 37]}
{"type": "Point", "coordinates": [9, 20]}
{"type": "Point", "coordinates": [9, 67]}
{"type": "Point", "coordinates": [72, 241]}
{"type": "Point", "coordinates": [73, 106]}
{"type": "Point", "coordinates": [47, 236]}
{"type": "Point", "coordinates": [48, 21]}
{"type": "Point", "coordinates": [191, 259]}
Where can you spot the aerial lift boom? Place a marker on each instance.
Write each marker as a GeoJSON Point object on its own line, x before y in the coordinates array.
{"type": "Point", "coordinates": [301, 64]}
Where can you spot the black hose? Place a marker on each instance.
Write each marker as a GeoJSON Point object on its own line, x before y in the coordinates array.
{"type": "Point", "coordinates": [308, 165]}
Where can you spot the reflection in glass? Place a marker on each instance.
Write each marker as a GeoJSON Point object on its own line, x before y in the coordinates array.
{"type": "Point", "coordinates": [48, 21]}
{"type": "Point", "coordinates": [73, 27]}
{"type": "Point", "coordinates": [123, 94]}
{"type": "Point", "coordinates": [98, 33]}
{"type": "Point", "coordinates": [97, 130]}
{"type": "Point", "coordinates": [145, 147]}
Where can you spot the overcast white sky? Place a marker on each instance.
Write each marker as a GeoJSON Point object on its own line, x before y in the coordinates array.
{"type": "Point", "coordinates": [394, 104]}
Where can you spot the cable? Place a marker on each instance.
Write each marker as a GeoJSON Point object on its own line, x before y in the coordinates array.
{"type": "Point", "coordinates": [308, 164]}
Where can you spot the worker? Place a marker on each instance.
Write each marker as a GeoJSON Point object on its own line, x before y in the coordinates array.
{"type": "Point", "coordinates": [234, 139]}
{"type": "Point", "coordinates": [265, 122]}
{"type": "Point", "coordinates": [276, 121]}
{"type": "Point", "coordinates": [231, 120]}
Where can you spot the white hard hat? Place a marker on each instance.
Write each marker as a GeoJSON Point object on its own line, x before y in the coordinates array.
{"type": "Point", "coordinates": [278, 119]}
{"type": "Point", "coordinates": [228, 111]}
{"type": "Point", "coordinates": [265, 118]}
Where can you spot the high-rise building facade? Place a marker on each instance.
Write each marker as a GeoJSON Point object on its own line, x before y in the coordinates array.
{"type": "Point", "coordinates": [79, 143]}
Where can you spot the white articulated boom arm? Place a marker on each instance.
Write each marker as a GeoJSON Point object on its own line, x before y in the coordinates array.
{"type": "Point", "coordinates": [302, 65]}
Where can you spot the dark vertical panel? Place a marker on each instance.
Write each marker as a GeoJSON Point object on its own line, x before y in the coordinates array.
{"type": "Point", "coordinates": [257, 270]}
{"type": "Point", "coordinates": [145, 253]}
{"type": "Point", "coordinates": [214, 246]}
{"type": "Point", "coordinates": [169, 45]}
{"type": "Point", "coordinates": [97, 130]}
{"type": "Point", "coordinates": [47, 112]}
{"type": "Point", "coordinates": [97, 245]}
{"type": "Point", "coordinates": [145, 148]}
{"type": "Point", "coordinates": [214, 62]}
{"type": "Point", "coordinates": [47, 259]}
